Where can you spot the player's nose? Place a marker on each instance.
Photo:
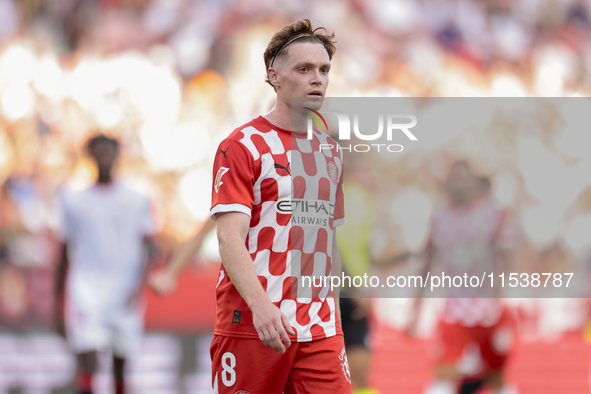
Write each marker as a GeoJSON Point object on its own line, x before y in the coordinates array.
{"type": "Point", "coordinates": [316, 78]}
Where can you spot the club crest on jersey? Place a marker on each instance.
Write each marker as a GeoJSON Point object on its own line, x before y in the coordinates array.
{"type": "Point", "coordinates": [333, 172]}
{"type": "Point", "coordinates": [218, 178]}
{"type": "Point", "coordinates": [345, 365]}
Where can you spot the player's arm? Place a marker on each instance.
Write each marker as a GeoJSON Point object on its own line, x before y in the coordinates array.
{"type": "Point", "coordinates": [164, 281]}
{"type": "Point", "coordinates": [60, 280]}
{"type": "Point", "coordinates": [271, 324]}
{"type": "Point", "coordinates": [429, 256]}
{"type": "Point", "coordinates": [418, 301]}
{"type": "Point", "coordinates": [506, 258]}
{"type": "Point", "coordinates": [506, 239]}
{"type": "Point", "coordinates": [153, 253]}
{"type": "Point", "coordinates": [146, 234]}
{"type": "Point", "coordinates": [152, 250]}
{"type": "Point", "coordinates": [505, 242]}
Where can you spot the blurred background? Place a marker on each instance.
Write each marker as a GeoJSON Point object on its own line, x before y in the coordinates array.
{"type": "Point", "coordinates": [171, 78]}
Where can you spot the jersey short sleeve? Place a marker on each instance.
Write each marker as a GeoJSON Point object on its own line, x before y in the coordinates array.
{"type": "Point", "coordinates": [234, 176]}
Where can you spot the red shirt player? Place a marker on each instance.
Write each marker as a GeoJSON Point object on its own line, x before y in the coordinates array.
{"type": "Point", "coordinates": [470, 235]}
{"type": "Point", "coordinates": [269, 339]}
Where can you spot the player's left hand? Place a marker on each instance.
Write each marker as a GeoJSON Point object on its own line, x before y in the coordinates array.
{"type": "Point", "coordinates": [272, 326]}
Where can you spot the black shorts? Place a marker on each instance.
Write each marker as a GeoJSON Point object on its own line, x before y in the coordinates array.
{"type": "Point", "coordinates": [355, 330]}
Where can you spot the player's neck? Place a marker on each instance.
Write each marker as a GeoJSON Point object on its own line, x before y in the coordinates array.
{"type": "Point", "coordinates": [104, 179]}
{"type": "Point", "coordinates": [470, 202]}
{"type": "Point", "coordinates": [281, 117]}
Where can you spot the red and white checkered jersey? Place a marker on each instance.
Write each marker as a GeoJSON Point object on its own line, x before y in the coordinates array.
{"type": "Point", "coordinates": [293, 194]}
{"type": "Point", "coordinates": [465, 240]}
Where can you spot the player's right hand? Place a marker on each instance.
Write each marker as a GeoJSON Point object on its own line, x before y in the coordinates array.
{"type": "Point", "coordinates": [162, 282]}
{"type": "Point", "coordinates": [272, 326]}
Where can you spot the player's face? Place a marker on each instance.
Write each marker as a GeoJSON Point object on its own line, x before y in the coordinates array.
{"type": "Point", "coordinates": [105, 155]}
{"type": "Point", "coordinates": [303, 73]}
{"type": "Point", "coordinates": [461, 184]}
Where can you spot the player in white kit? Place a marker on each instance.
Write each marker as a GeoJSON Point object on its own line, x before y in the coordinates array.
{"type": "Point", "coordinates": [107, 232]}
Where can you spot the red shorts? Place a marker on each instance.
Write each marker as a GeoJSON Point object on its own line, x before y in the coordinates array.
{"type": "Point", "coordinates": [246, 366]}
{"type": "Point", "coordinates": [494, 342]}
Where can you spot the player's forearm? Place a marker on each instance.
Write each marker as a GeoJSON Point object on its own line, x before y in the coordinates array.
{"type": "Point", "coordinates": [153, 254]}
{"type": "Point", "coordinates": [506, 260]}
{"type": "Point", "coordinates": [183, 256]}
{"type": "Point", "coordinates": [187, 250]}
{"type": "Point", "coordinates": [426, 268]}
{"type": "Point", "coordinates": [240, 268]}
{"type": "Point", "coordinates": [60, 273]}
{"type": "Point", "coordinates": [424, 272]}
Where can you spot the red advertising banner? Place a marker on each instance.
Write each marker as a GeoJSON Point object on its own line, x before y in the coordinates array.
{"type": "Point", "coordinates": [190, 308]}
{"type": "Point", "coordinates": [27, 300]}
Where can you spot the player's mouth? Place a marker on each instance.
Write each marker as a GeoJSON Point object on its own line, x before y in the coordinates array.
{"type": "Point", "coordinates": [315, 93]}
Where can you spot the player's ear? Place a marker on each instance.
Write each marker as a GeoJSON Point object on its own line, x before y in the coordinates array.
{"type": "Point", "coordinates": [273, 77]}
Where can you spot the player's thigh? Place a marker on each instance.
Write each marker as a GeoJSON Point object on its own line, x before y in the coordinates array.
{"type": "Point", "coordinates": [85, 330]}
{"type": "Point", "coordinates": [450, 342]}
{"type": "Point", "coordinates": [320, 367]}
{"type": "Point", "coordinates": [244, 365]}
{"type": "Point", "coordinates": [499, 342]}
{"type": "Point", "coordinates": [87, 361]}
{"type": "Point", "coordinates": [127, 329]}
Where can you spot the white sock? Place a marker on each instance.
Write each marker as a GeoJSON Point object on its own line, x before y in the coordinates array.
{"type": "Point", "coordinates": [441, 387]}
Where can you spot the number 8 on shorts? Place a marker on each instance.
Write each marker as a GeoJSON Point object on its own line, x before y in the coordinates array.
{"type": "Point", "coordinates": [228, 374]}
